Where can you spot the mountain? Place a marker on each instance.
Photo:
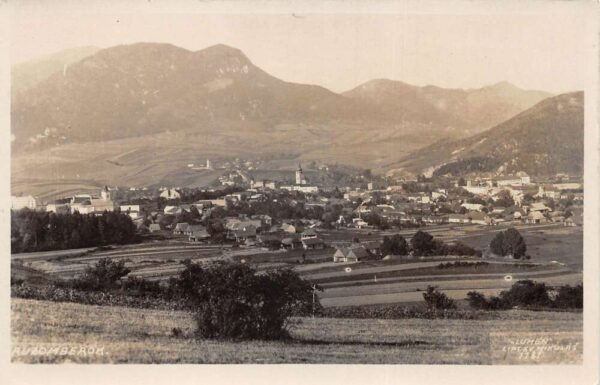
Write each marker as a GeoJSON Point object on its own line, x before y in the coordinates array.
{"type": "Point", "coordinates": [470, 111]}
{"type": "Point", "coordinates": [148, 88]}
{"type": "Point", "coordinates": [30, 73]}
{"type": "Point", "coordinates": [543, 140]}
{"type": "Point", "coordinates": [137, 114]}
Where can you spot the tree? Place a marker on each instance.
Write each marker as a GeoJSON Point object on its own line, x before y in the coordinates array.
{"type": "Point", "coordinates": [437, 300]}
{"type": "Point", "coordinates": [104, 275]}
{"type": "Point", "coordinates": [395, 245]}
{"type": "Point", "coordinates": [422, 243]}
{"type": "Point", "coordinates": [232, 301]}
{"type": "Point", "coordinates": [509, 243]}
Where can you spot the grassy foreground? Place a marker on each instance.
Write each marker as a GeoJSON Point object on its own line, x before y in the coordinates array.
{"type": "Point", "coordinates": [124, 335]}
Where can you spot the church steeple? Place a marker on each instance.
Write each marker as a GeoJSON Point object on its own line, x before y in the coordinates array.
{"type": "Point", "coordinates": [300, 175]}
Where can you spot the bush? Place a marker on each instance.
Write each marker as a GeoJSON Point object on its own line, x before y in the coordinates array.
{"type": "Point", "coordinates": [569, 297]}
{"type": "Point", "coordinates": [526, 293]}
{"type": "Point", "coordinates": [231, 301]}
{"type": "Point", "coordinates": [449, 265]}
{"type": "Point", "coordinates": [437, 300]}
{"type": "Point", "coordinates": [530, 294]}
{"type": "Point", "coordinates": [480, 302]}
{"type": "Point", "coordinates": [103, 276]}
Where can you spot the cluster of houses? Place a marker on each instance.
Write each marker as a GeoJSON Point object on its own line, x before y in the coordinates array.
{"type": "Point", "coordinates": [481, 202]}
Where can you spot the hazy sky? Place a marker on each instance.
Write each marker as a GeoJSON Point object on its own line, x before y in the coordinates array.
{"type": "Point", "coordinates": [537, 49]}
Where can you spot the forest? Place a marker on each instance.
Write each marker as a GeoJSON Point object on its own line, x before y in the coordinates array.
{"type": "Point", "coordinates": [42, 231]}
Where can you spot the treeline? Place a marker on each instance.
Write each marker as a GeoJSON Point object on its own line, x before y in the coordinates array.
{"type": "Point", "coordinates": [41, 231]}
{"type": "Point", "coordinates": [465, 166]}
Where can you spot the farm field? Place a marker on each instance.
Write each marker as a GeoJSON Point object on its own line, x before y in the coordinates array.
{"type": "Point", "coordinates": [145, 336]}
{"type": "Point", "coordinates": [388, 281]}
{"type": "Point", "coordinates": [545, 242]}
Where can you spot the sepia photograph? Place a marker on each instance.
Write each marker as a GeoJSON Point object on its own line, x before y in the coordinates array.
{"type": "Point", "coordinates": [212, 183]}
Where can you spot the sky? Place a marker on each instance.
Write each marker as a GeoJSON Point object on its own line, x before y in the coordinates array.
{"type": "Point", "coordinates": [457, 46]}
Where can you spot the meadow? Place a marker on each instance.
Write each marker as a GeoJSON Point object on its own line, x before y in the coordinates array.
{"type": "Point", "coordinates": [125, 335]}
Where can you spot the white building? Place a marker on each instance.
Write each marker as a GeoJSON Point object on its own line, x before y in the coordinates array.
{"type": "Point", "coordinates": [170, 194]}
{"type": "Point", "coordinates": [27, 201]}
{"type": "Point", "coordinates": [302, 188]}
{"type": "Point", "coordinates": [300, 179]}
{"type": "Point", "coordinates": [472, 206]}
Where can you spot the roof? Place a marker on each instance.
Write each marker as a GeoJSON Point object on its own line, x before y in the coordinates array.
{"type": "Point", "coordinates": [476, 215]}
{"type": "Point", "coordinates": [312, 241]}
{"type": "Point", "coordinates": [182, 226]}
{"type": "Point", "coordinates": [354, 251]}
{"type": "Point", "coordinates": [535, 215]}
{"type": "Point", "coordinates": [309, 232]}
{"type": "Point", "coordinates": [194, 228]}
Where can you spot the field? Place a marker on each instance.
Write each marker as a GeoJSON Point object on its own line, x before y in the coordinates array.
{"type": "Point", "coordinates": [557, 258]}
{"type": "Point", "coordinates": [125, 335]}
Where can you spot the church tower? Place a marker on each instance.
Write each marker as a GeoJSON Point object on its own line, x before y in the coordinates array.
{"type": "Point", "coordinates": [105, 194]}
{"type": "Point", "coordinates": [300, 175]}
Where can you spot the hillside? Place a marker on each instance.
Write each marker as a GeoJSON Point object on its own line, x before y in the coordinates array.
{"type": "Point", "coordinates": [468, 111]}
{"type": "Point", "coordinates": [137, 114]}
{"type": "Point", "coordinates": [129, 335]}
{"type": "Point", "coordinates": [30, 73]}
{"type": "Point", "coordinates": [148, 88]}
{"type": "Point", "coordinates": [543, 140]}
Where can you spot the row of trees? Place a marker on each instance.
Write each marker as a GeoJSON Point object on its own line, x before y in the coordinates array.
{"type": "Point", "coordinates": [41, 231]}
{"type": "Point", "coordinates": [423, 244]}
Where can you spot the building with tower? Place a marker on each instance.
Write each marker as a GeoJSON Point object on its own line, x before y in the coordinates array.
{"type": "Point", "coordinates": [300, 179]}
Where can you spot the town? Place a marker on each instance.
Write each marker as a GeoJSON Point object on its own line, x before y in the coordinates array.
{"type": "Point", "coordinates": [312, 226]}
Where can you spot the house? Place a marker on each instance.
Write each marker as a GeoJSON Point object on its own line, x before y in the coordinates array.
{"type": "Point", "coordinates": [21, 202]}
{"type": "Point", "coordinates": [548, 191]}
{"type": "Point", "coordinates": [170, 194]}
{"type": "Point", "coordinates": [539, 206]}
{"type": "Point", "coordinates": [291, 243]}
{"type": "Point", "coordinates": [172, 210]}
{"type": "Point", "coordinates": [458, 218]}
{"type": "Point", "coordinates": [132, 210]}
{"type": "Point", "coordinates": [181, 228]}
{"type": "Point", "coordinates": [193, 228]}
{"type": "Point", "coordinates": [308, 234]}
{"type": "Point", "coordinates": [312, 244]}
{"type": "Point", "coordinates": [59, 206]}
{"type": "Point", "coordinates": [479, 218]}
{"type": "Point", "coordinates": [536, 217]}
{"type": "Point", "coordinates": [154, 227]}
{"type": "Point", "coordinates": [350, 254]}
{"type": "Point", "coordinates": [359, 223]}
{"type": "Point", "coordinates": [288, 228]}
{"type": "Point", "coordinates": [198, 234]}
{"type": "Point", "coordinates": [243, 233]}
{"type": "Point", "coordinates": [473, 206]}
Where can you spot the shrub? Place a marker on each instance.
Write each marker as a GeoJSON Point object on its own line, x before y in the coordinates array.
{"type": "Point", "coordinates": [526, 293]}
{"type": "Point", "coordinates": [437, 300]}
{"type": "Point", "coordinates": [480, 302]}
{"type": "Point", "coordinates": [103, 276]}
{"type": "Point", "coordinates": [231, 301]}
{"type": "Point", "coordinates": [569, 297]}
